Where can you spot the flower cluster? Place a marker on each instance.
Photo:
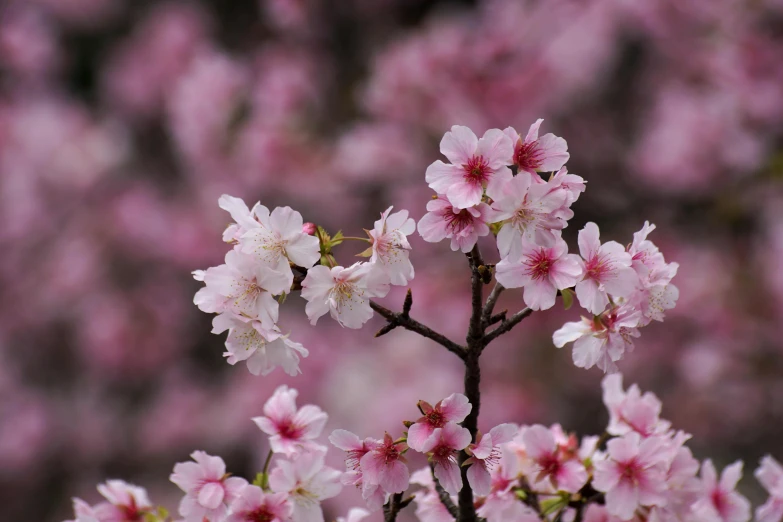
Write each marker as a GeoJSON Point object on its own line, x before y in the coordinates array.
{"type": "Point", "coordinates": [640, 469]}
{"type": "Point", "coordinates": [267, 248]}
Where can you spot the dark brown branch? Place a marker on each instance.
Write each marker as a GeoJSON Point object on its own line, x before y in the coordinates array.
{"type": "Point", "coordinates": [394, 506]}
{"type": "Point", "coordinates": [475, 329]}
{"type": "Point", "coordinates": [402, 319]}
{"type": "Point", "coordinates": [507, 325]}
{"type": "Point", "coordinates": [497, 318]}
{"type": "Point", "coordinates": [489, 306]}
{"type": "Point", "coordinates": [443, 495]}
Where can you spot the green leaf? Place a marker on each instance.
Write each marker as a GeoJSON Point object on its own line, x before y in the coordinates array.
{"type": "Point", "coordinates": [568, 298]}
{"type": "Point", "coordinates": [260, 479]}
{"type": "Point", "coordinates": [551, 505]}
{"type": "Point", "coordinates": [366, 253]}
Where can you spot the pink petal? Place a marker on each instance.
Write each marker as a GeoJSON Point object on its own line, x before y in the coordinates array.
{"type": "Point", "coordinates": [345, 440]}
{"type": "Point", "coordinates": [211, 495]}
{"type": "Point", "coordinates": [418, 434]}
{"type": "Point", "coordinates": [496, 147]}
{"type": "Point", "coordinates": [449, 477]}
{"type": "Point", "coordinates": [459, 144]}
{"type": "Point", "coordinates": [455, 407]}
{"type": "Point", "coordinates": [479, 479]}
{"type": "Point", "coordinates": [539, 442]}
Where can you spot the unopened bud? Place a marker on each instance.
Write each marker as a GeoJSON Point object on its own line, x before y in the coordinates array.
{"type": "Point", "coordinates": [309, 229]}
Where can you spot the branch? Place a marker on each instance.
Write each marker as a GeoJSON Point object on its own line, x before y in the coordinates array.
{"type": "Point", "coordinates": [476, 328]}
{"type": "Point", "coordinates": [507, 325]}
{"type": "Point", "coordinates": [394, 506]}
{"type": "Point", "coordinates": [489, 306]}
{"type": "Point", "coordinates": [402, 319]}
{"type": "Point", "coordinates": [443, 495]}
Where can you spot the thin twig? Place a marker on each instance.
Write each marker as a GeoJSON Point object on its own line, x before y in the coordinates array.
{"type": "Point", "coordinates": [497, 318]}
{"type": "Point", "coordinates": [507, 325]}
{"type": "Point", "coordinates": [443, 495]}
{"type": "Point", "coordinates": [489, 306]}
{"type": "Point", "coordinates": [401, 319]}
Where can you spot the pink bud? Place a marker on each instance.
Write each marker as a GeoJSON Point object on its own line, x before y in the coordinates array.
{"type": "Point", "coordinates": [309, 229]}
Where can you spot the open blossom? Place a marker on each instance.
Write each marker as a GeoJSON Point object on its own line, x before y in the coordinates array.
{"type": "Point", "coordinates": [602, 340]}
{"type": "Point", "coordinates": [385, 465]}
{"type": "Point", "coordinates": [307, 482]}
{"type": "Point", "coordinates": [550, 463]}
{"type": "Point", "coordinates": [719, 502]}
{"type": "Point", "coordinates": [207, 487]}
{"type": "Point", "coordinates": [390, 247]}
{"type": "Point", "coordinates": [526, 208]}
{"type": "Point", "coordinates": [655, 294]}
{"type": "Point", "coordinates": [475, 164]}
{"type": "Point", "coordinates": [290, 430]}
{"type": "Point", "coordinates": [453, 408]}
{"type": "Point", "coordinates": [279, 238]}
{"type": "Point", "coordinates": [462, 226]}
{"type": "Point", "coordinates": [607, 271]}
{"type": "Point", "coordinates": [542, 271]}
{"type": "Point", "coordinates": [633, 474]}
{"type": "Point", "coordinates": [573, 185]}
{"type": "Point", "coordinates": [262, 349]}
{"type": "Point", "coordinates": [631, 411]}
{"type": "Point", "coordinates": [770, 475]}
{"type": "Point", "coordinates": [243, 287]}
{"type": "Point", "coordinates": [244, 219]}
{"type": "Point", "coordinates": [502, 503]}
{"type": "Point", "coordinates": [485, 454]}
{"type": "Point", "coordinates": [356, 448]}
{"type": "Point", "coordinates": [533, 154]}
{"type": "Point", "coordinates": [343, 292]}
{"type": "Point", "coordinates": [254, 504]}
{"type": "Point", "coordinates": [443, 445]}
{"type": "Point", "coordinates": [124, 503]}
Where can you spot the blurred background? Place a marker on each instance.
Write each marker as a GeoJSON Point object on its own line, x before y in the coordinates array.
{"type": "Point", "coordinates": [122, 122]}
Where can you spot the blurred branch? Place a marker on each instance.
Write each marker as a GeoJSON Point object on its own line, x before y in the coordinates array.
{"type": "Point", "coordinates": [443, 495]}
{"type": "Point", "coordinates": [394, 506]}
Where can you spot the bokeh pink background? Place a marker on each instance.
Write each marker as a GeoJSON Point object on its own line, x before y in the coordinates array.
{"type": "Point", "coordinates": [122, 122]}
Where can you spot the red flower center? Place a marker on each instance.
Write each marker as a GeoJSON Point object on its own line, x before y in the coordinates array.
{"type": "Point", "coordinates": [539, 264]}
{"type": "Point", "coordinates": [476, 170]}
{"type": "Point", "coordinates": [260, 514]}
{"type": "Point", "coordinates": [458, 222]}
{"type": "Point", "coordinates": [527, 156]}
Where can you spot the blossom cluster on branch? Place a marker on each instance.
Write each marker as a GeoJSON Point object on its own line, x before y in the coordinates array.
{"type": "Point", "coordinates": [638, 470]}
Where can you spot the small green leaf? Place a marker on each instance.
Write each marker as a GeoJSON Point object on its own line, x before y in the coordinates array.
{"type": "Point", "coordinates": [366, 253]}
{"type": "Point", "coordinates": [568, 298]}
{"type": "Point", "coordinates": [551, 505]}
{"type": "Point", "coordinates": [281, 298]}
{"type": "Point", "coordinates": [260, 479]}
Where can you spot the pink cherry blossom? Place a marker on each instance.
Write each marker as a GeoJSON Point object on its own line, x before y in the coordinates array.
{"type": "Point", "coordinates": [244, 287]}
{"type": "Point", "coordinates": [429, 507]}
{"type": "Point", "coordinates": [573, 185]}
{"type": "Point", "coordinates": [462, 226]}
{"type": "Point", "coordinates": [552, 464]}
{"type": "Point", "coordinates": [502, 503]}
{"type": "Point", "coordinates": [207, 487]}
{"type": "Point", "coordinates": [290, 430]}
{"type": "Point", "coordinates": [356, 448]}
{"type": "Point", "coordinates": [385, 465]}
{"type": "Point", "coordinates": [475, 164]}
{"type": "Point", "coordinates": [125, 503]}
{"type": "Point", "coordinates": [541, 271]}
{"type": "Point", "coordinates": [485, 454]}
{"type": "Point", "coordinates": [254, 504]}
{"type": "Point", "coordinates": [443, 445]}
{"type": "Point", "coordinates": [390, 247]}
{"type": "Point", "coordinates": [453, 408]}
{"type": "Point", "coordinates": [719, 502]}
{"type": "Point", "coordinates": [307, 482]}
{"type": "Point", "coordinates": [633, 475]}
{"type": "Point", "coordinates": [533, 154]}
{"type": "Point", "coordinates": [279, 238]}
{"type": "Point", "coordinates": [631, 411]}
{"type": "Point", "coordinates": [603, 340]}
{"type": "Point", "coordinates": [243, 217]}
{"type": "Point", "coordinates": [262, 349]}
{"type": "Point", "coordinates": [526, 208]}
{"type": "Point", "coordinates": [655, 293]}
{"type": "Point", "coordinates": [770, 475]}
{"type": "Point", "coordinates": [343, 292]}
{"type": "Point", "coordinates": [607, 270]}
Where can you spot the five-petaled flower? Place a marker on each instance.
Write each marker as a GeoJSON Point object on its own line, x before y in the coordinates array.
{"type": "Point", "coordinates": [208, 489]}
{"type": "Point", "coordinates": [291, 431]}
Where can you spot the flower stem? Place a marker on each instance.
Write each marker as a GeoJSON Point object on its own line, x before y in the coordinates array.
{"type": "Point", "coordinates": [265, 473]}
